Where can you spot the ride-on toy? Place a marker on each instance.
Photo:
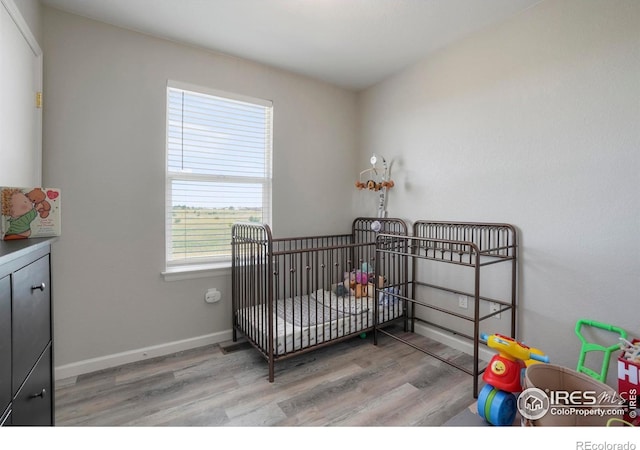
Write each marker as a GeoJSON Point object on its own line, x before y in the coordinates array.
{"type": "Point", "coordinates": [497, 403]}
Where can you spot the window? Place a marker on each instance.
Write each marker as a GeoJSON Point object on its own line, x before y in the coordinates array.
{"type": "Point", "coordinates": [218, 171]}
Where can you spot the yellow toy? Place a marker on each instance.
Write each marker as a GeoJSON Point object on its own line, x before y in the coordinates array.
{"type": "Point", "coordinates": [496, 401]}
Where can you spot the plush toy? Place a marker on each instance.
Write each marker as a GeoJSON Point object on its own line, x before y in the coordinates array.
{"type": "Point", "coordinates": [350, 279]}
{"type": "Point", "coordinates": [361, 277]}
{"type": "Point", "coordinates": [388, 296]}
{"type": "Point", "coordinates": [38, 198]}
{"type": "Point", "coordinates": [388, 184]}
{"type": "Point", "coordinates": [341, 290]}
{"type": "Point", "coordinates": [373, 185]}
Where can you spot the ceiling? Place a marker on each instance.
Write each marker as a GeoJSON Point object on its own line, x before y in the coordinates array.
{"type": "Point", "coordinates": [350, 43]}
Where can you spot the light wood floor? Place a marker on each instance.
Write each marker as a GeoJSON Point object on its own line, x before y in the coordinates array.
{"type": "Point", "coordinates": [353, 383]}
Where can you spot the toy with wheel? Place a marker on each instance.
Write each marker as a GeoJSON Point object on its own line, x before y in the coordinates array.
{"type": "Point", "coordinates": [497, 403]}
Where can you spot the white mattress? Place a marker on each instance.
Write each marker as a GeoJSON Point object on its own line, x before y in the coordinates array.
{"type": "Point", "coordinates": [318, 317]}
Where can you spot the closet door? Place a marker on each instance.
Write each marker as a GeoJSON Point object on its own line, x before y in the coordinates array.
{"type": "Point", "coordinates": [20, 111]}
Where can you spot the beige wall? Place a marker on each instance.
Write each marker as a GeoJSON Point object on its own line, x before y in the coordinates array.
{"type": "Point", "coordinates": [533, 122]}
{"type": "Point", "coordinates": [104, 146]}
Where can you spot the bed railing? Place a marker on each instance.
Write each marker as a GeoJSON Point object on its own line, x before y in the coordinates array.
{"type": "Point", "coordinates": [282, 287]}
{"type": "Point", "coordinates": [461, 242]}
{"type": "Point", "coordinates": [252, 282]}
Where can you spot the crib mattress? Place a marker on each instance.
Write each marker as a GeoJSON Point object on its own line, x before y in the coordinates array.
{"type": "Point", "coordinates": [309, 320]}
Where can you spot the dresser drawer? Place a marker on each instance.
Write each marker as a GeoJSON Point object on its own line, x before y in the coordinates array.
{"type": "Point", "coordinates": [5, 342]}
{"type": "Point", "coordinates": [31, 327]}
{"type": "Point", "coordinates": [34, 402]}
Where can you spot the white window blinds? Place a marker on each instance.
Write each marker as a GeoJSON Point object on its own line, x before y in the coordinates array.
{"type": "Point", "coordinates": [219, 149]}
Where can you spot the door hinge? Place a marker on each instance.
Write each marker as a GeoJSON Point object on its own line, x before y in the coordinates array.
{"type": "Point", "coordinates": [38, 99]}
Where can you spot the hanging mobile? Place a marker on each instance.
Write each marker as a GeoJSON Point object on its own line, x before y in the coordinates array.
{"type": "Point", "coordinates": [379, 183]}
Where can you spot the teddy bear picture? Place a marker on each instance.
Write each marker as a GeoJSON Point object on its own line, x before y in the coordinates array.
{"type": "Point", "coordinates": [29, 212]}
{"type": "Point", "coordinates": [39, 200]}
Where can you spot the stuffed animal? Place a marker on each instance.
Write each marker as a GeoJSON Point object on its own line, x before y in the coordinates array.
{"type": "Point", "coordinates": [38, 198]}
{"type": "Point", "coordinates": [373, 186]}
{"type": "Point", "coordinates": [361, 277]}
{"type": "Point", "coordinates": [388, 184]}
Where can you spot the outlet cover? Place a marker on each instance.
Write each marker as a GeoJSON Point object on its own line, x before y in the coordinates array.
{"type": "Point", "coordinates": [493, 307]}
{"type": "Point", "coordinates": [463, 301]}
{"type": "Point", "coordinates": [212, 296]}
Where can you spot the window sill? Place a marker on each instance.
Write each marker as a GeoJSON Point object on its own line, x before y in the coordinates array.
{"type": "Point", "coordinates": [197, 271]}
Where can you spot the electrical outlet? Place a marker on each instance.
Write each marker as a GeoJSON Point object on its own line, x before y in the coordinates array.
{"type": "Point", "coordinates": [493, 307]}
{"type": "Point", "coordinates": [212, 296]}
{"type": "Point", "coordinates": [463, 301]}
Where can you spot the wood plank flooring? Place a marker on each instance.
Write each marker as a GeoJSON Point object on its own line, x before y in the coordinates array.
{"type": "Point", "coordinates": [352, 383]}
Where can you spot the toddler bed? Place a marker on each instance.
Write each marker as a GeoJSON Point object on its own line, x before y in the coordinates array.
{"type": "Point", "coordinates": [292, 295]}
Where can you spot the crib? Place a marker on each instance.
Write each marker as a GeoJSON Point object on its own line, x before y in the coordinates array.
{"type": "Point", "coordinates": [297, 294]}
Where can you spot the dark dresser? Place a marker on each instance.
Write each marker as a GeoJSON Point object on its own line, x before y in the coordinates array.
{"type": "Point", "coordinates": [26, 333]}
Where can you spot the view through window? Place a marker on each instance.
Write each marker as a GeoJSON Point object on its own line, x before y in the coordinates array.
{"type": "Point", "coordinates": [219, 148]}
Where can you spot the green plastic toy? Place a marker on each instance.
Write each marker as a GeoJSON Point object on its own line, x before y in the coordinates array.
{"type": "Point", "coordinates": [592, 347]}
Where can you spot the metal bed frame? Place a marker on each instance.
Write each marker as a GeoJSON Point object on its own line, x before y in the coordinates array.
{"type": "Point", "coordinates": [466, 244]}
{"type": "Point", "coordinates": [266, 270]}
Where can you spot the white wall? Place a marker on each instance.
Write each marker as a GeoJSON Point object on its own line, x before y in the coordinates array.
{"type": "Point", "coordinates": [533, 122]}
{"type": "Point", "coordinates": [21, 78]}
{"type": "Point", "coordinates": [31, 12]}
{"type": "Point", "coordinates": [104, 146]}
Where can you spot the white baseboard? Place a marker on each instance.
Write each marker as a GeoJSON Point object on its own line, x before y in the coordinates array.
{"type": "Point", "coordinates": [450, 339]}
{"type": "Point", "coordinates": [117, 359]}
